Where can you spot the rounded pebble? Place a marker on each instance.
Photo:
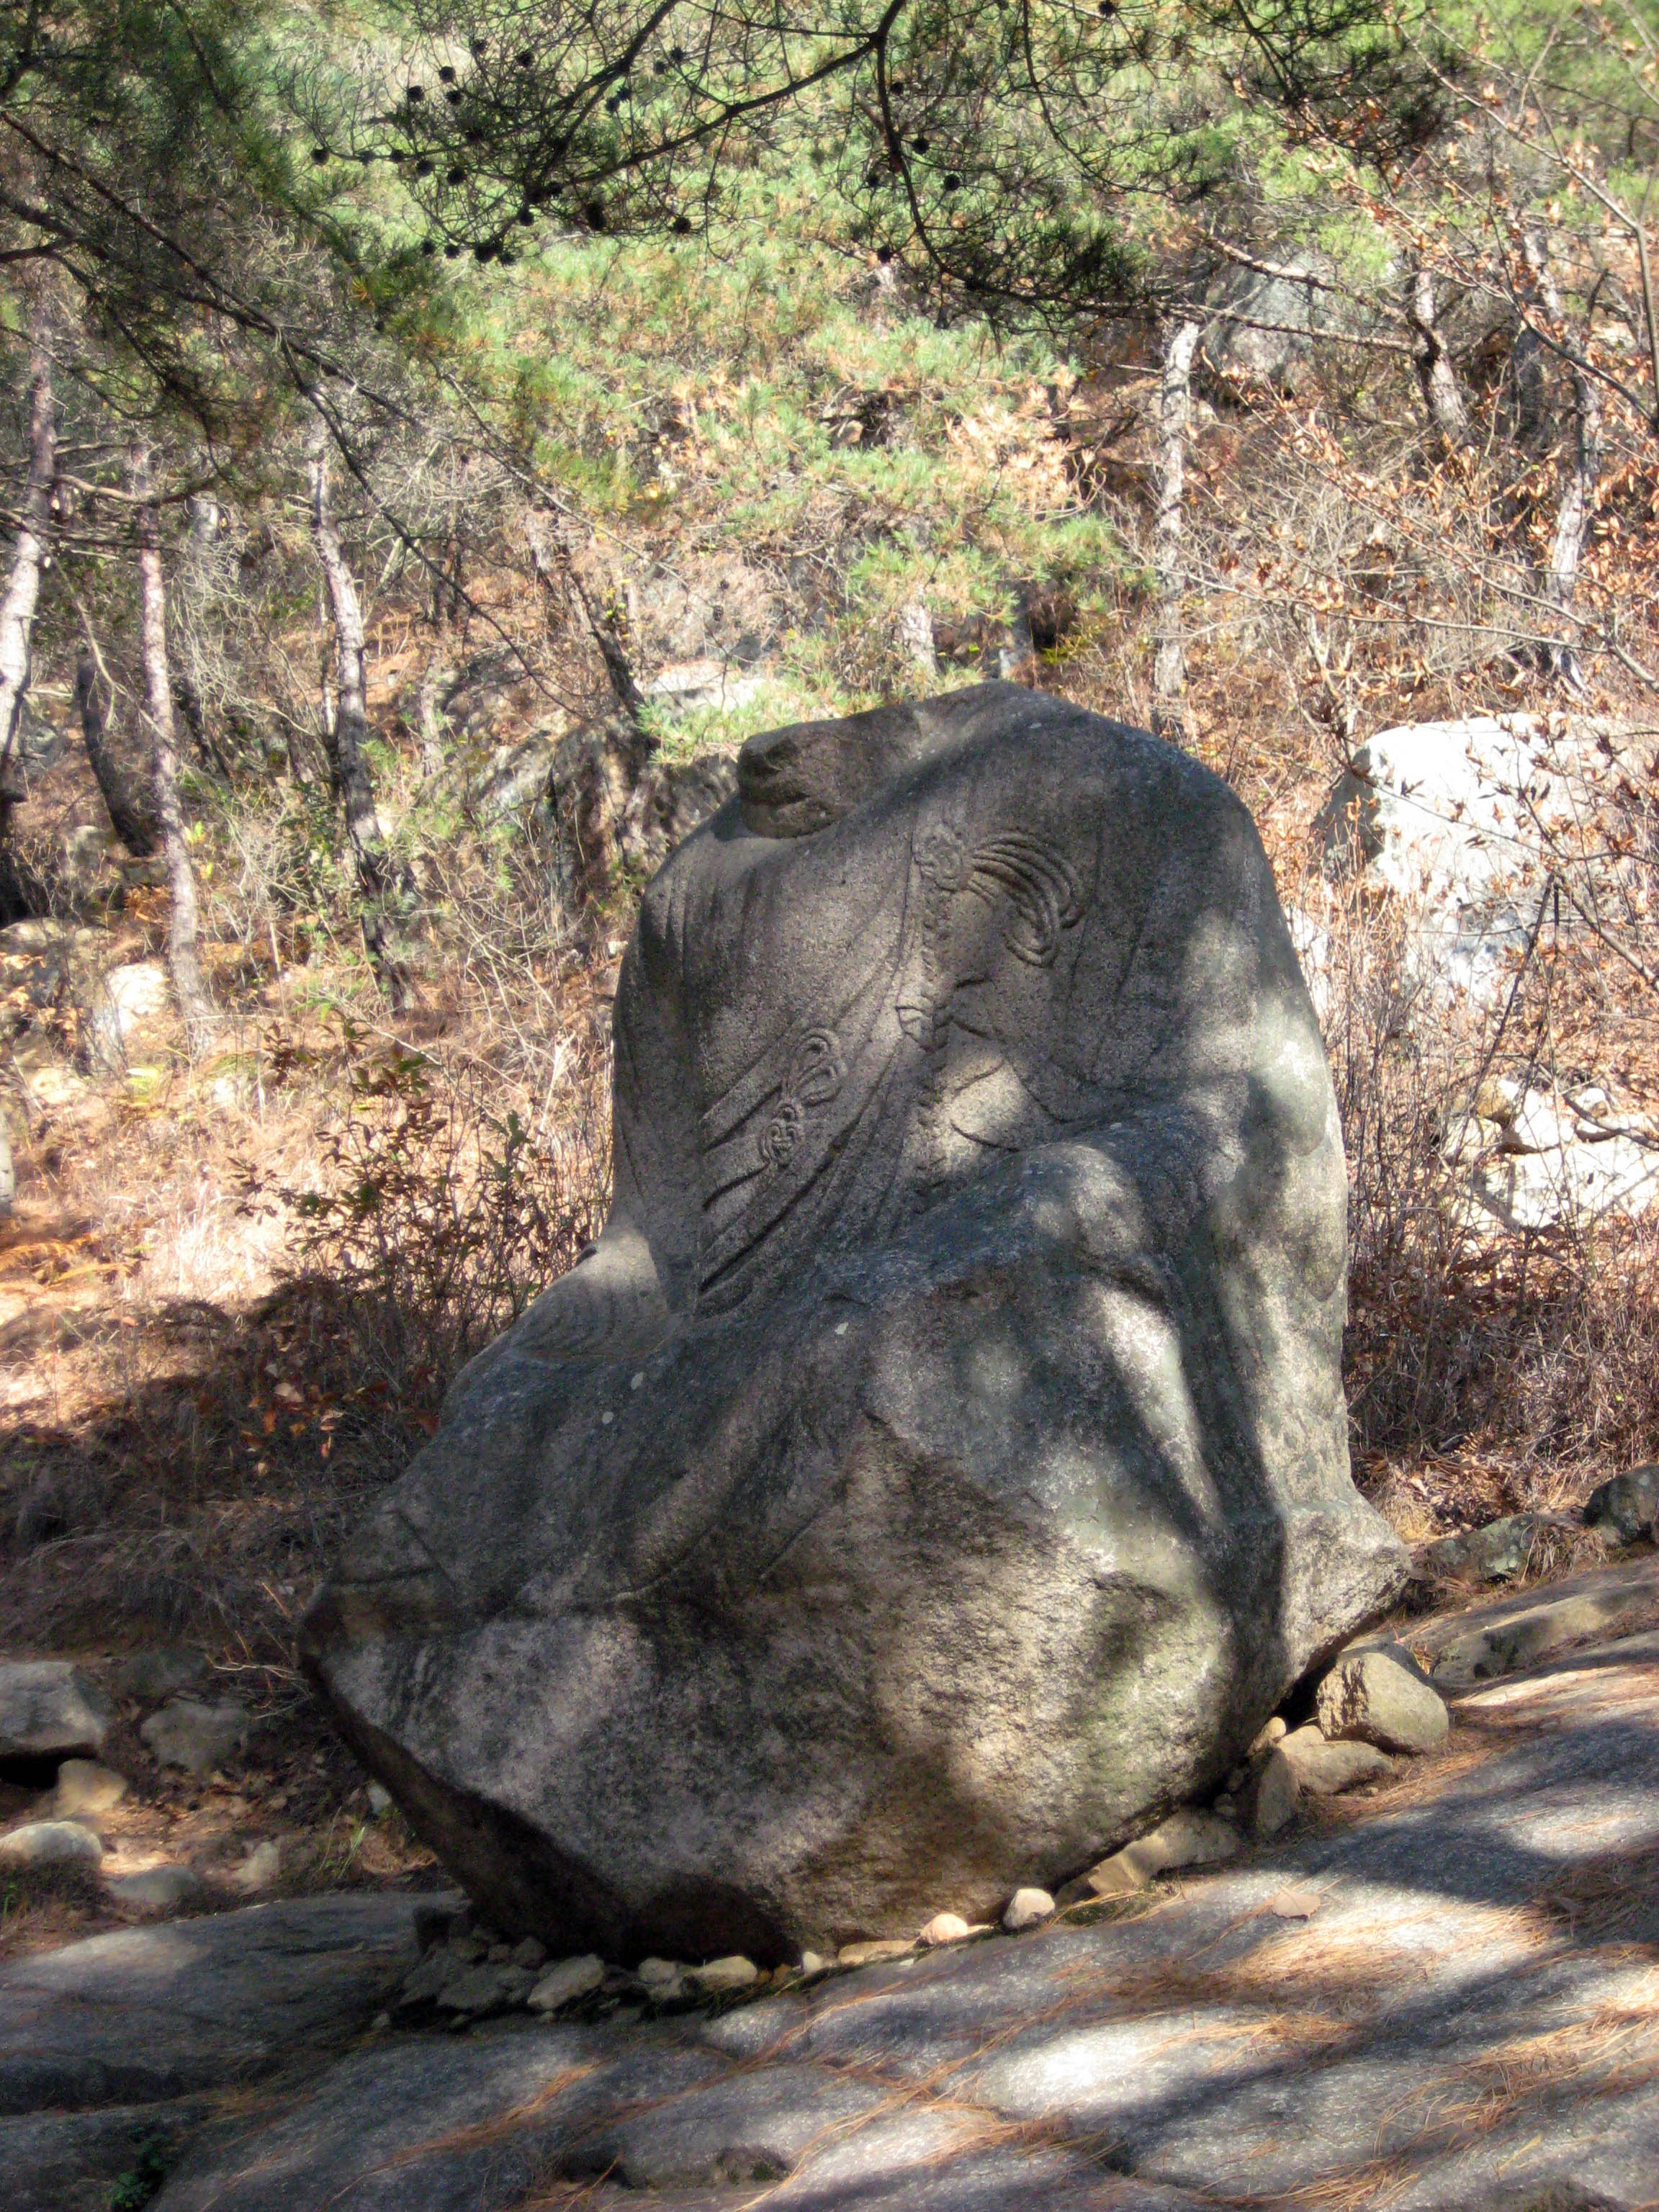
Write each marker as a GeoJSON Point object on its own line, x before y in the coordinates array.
{"type": "Point", "coordinates": [157, 1889]}
{"type": "Point", "coordinates": [563, 1984]}
{"type": "Point", "coordinates": [1026, 1907]}
{"type": "Point", "coordinates": [51, 1843]}
{"type": "Point", "coordinates": [720, 1975]}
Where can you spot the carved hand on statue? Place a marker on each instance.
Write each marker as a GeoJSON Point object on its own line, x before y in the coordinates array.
{"type": "Point", "coordinates": [605, 1304]}
{"type": "Point", "coordinates": [608, 1305]}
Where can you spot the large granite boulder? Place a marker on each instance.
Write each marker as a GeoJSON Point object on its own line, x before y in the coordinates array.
{"type": "Point", "coordinates": [938, 1468]}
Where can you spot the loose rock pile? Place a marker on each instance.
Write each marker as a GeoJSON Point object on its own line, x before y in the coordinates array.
{"type": "Point", "coordinates": [469, 1971]}
{"type": "Point", "coordinates": [54, 1716]}
{"type": "Point", "coordinates": [1374, 1702]}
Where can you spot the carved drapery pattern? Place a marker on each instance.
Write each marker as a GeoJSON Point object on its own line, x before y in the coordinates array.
{"type": "Point", "coordinates": [814, 1079]}
{"type": "Point", "coordinates": [1046, 898]}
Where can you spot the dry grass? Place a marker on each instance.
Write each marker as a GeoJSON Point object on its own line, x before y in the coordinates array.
{"type": "Point", "coordinates": [183, 1455]}
{"type": "Point", "coordinates": [1338, 591]}
{"type": "Point", "coordinates": [231, 1296]}
{"type": "Point", "coordinates": [1598, 1900]}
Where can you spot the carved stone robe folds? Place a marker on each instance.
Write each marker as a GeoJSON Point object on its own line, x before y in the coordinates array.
{"type": "Point", "coordinates": [938, 1469]}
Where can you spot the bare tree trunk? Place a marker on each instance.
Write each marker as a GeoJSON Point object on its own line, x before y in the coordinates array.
{"type": "Point", "coordinates": [346, 730]}
{"type": "Point", "coordinates": [551, 554]}
{"type": "Point", "coordinates": [29, 558]}
{"type": "Point", "coordinates": [1175, 403]}
{"type": "Point", "coordinates": [445, 612]}
{"type": "Point", "coordinates": [429, 714]}
{"type": "Point", "coordinates": [447, 596]}
{"type": "Point", "coordinates": [606, 633]}
{"type": "Point", "coordinates": [1527, 359]}
{"type": "Point", "coordinates": [1583, 472]}
{"type": "Point", "coordinates": [184, 963]}
{"type": "Point", "coordinates": [1017, 661]}
{"type": "Point", "coordinates": [134, 829]}
{"type": "Point", "coordinates": [1577, 501]}
{"type": "Point", "coordinates": [208, 751]}
{"type": "Point", "coordinates": [915, 637]}
{"type": "Point", "coordinates": [1435, 374]}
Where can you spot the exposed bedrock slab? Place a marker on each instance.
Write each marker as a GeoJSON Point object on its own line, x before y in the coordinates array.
{"type": "Point", "coordinates": [568, 2115]}
{"type": "Point", "coordinates": [1481, 1643]}
{"type": "Point", "coordinates": [939, 1469]}
{"type": "Point", "coordinates": [1445, 2002]}
{"type": "Point", "coordinates": [72, 2161]}
{"type": "Point", "coordinates": [161, 2012]}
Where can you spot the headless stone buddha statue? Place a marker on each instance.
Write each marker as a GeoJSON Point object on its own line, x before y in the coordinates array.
{"type": "Point", "coordinates": [938, 1469]}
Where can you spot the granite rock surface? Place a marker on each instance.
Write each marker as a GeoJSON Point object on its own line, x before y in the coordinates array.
{"type": "Point", "coordinates": [1442, 1998]}
{"type": "Point", "coordinates": [50, 1709]}
{"type": "Point", "coordinates": [938, 1470]}
{"type": "Point", "coordinates": [155, 2013]}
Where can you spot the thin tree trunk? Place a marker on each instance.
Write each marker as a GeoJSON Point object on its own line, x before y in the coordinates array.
{"type": "Point", "coordinates": [916, 633]}
{"type": "Point", "coordinates": [1573, 516]}
{"type": "Point", "coordinates": [135, 831]}
{"type": "Point", "coordinates": [1174, 405]}
{"type": "Point", "coordinates": [1016, 660]}
{"type": "Point", "coordinates": [1526, 367]}
{"type": "Point", "coordinates": [29, 556]}
{"type": "Point", "coordinates": [445, 612]}
{"type": "Point", "coordinates": [184, 963]}
{"type": "Point", "coordinates": [1435, 374]}
{"type": "Point", "coordinates": [345, 731]}
{"type": "Point", "coordinates": [1572, 521]}
{"type": "Point", "coordinates": [446, 594]}
{"type": "Point", "coordinates": [210, 753]}
{"type": "Point", "coordinates": [607, 635]}
{"type": "Point", "coordinates": [551, 553]}
{"type": "Point", "coordinates": [428, 715]}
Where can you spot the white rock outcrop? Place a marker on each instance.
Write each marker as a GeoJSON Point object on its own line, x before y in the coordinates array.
{"type": "Point", "coordinates": [1455, 819]}
{"type": "Point", "coordinates": [1465, 826]}
{"type": "Point", "coordinates": [1538, 1159]}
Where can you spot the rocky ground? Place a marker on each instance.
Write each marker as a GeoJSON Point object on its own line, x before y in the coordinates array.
{"type": "Point", "coordinates": [1436, 1987]}
{"type": "Point", "coordinates": [179, 1791]}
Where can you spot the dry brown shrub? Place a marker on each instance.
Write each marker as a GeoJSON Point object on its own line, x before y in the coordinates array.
{"type": "Point", "coordinates": [1519, 1366]}
{"type": "Point", "coordinates": [438, 1220]}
